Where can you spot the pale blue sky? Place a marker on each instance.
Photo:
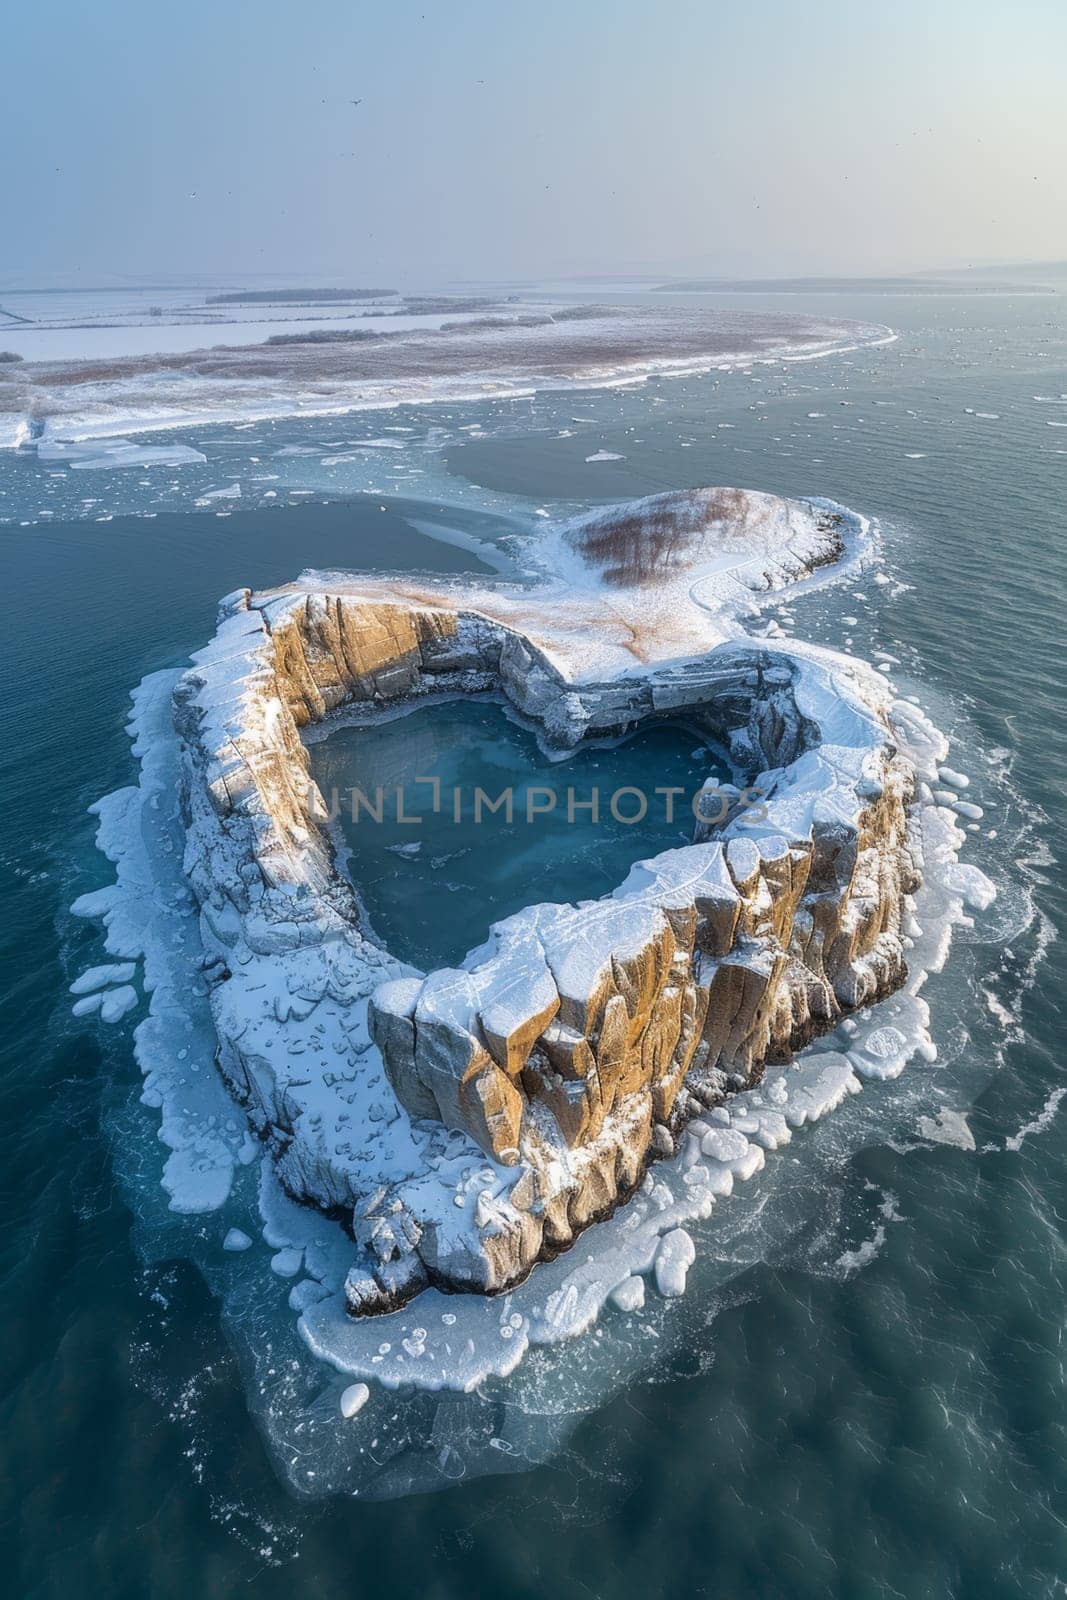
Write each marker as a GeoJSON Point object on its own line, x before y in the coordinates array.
{"type": "Point", "coordinates": [503, 139]}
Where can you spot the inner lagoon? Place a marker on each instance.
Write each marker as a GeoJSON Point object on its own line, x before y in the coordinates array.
{"type": "Point", "coordinates": [454, 816]}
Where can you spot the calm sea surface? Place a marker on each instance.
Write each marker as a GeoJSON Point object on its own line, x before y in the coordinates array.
{"type": "Point", "coordinates": [872, 1407]}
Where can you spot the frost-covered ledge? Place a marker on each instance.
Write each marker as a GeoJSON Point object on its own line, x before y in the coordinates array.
{"type": "Point", "coordinates": [473, 1121]}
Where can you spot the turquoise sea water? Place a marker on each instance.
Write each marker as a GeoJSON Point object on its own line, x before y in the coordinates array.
{"type": "Point", "coordinates": [865, 1400]}
{"type": "Point", "coordinates": [452, 817]}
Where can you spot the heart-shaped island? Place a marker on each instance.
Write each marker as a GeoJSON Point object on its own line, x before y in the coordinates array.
{"type": "Point", "coordinates": [467, 1123]}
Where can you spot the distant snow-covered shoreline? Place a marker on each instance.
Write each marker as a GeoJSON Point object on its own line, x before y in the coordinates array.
{"type": "Point", "coordinates": [423, 359]}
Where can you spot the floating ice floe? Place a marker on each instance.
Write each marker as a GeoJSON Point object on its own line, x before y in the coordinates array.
{"type": "Point", "coordinates": [113, 453]}
{"type": "Point", "coordinates": [115, 1003]}
{"type": "Point", "coordinates": [674, 1256]}
{"type": "Point", "coordinates": [353, 1399]}
{"type": "Point", "coordinates": [99, 977]}
{"type": "Point", "coordinates": [232, 491]}
{"type": "Point", "coordinates": [948, 1127]}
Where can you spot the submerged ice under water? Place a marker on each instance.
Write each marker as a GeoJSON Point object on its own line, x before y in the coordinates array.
{"type": "Point", "coordinates": [894, 438]}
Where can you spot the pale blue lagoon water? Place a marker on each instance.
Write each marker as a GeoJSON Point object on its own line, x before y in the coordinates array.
{"type": "Point", "coordinates": [863, 1392]}
{"type": "Point", "coordinates": [452, 817]}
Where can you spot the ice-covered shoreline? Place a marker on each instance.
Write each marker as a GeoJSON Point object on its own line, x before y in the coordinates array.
{"type": "Point", "coordinates": [81, 400]}
{"type": "Point", "coordinates": [731, 1151]}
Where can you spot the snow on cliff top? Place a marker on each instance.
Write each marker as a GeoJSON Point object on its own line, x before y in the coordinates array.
{"type": "Point", "coordinates": [629, 586]}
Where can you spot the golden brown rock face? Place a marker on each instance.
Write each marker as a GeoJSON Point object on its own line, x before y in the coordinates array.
{"type": "Point", "coordinates": [328, 652]}
{"type": "Point", "coordinates": [749, 959]}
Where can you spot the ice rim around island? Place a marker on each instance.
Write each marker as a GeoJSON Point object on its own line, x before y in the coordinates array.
{"type": "Point", "coordinates": [605, 1070]}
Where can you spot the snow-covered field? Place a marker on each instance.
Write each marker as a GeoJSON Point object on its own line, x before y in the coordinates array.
{"type": "Point", "coordinates": [119, 370]}
{"type": "Point", "coordinates": [121, 332]}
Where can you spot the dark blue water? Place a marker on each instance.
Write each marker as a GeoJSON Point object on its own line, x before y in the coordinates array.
{"type": "Point", "coordinates": [874, 1406]}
